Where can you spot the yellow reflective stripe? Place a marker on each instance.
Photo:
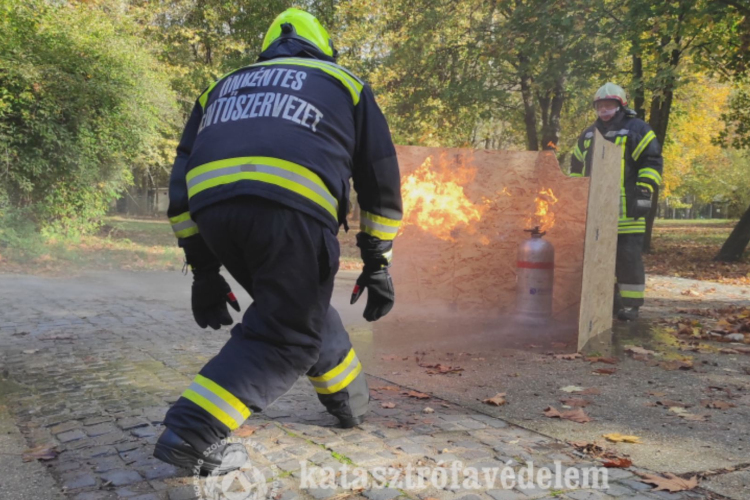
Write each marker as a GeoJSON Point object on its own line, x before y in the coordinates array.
{"type": "Point", "coordinates": [650, 172]}
{"type": "Point", "coordinates": [345, 382]}
{"type": "Point", "coordinates": [183, 226]}
{"type": "Point", "coordinates": [211, 408]}
{"type": "Point", "coordinates": [632, 230]}
{"type": "Point", "coordinates": [577, 153]}
{"type": "Point", "coordinates": [388, 256]}
{"type": "Point", "coordinates": [379, 226]}
{"type": "Point", "coordinates": [227, 396]}
{"type": "Point", "coordinates": [587, 143]}
{"type": "Point", "coordinates": [643, 144]}
{"type": "Point", "coordinates": [576, 175]}
{"type": "Point", "coordinates": [632, 294]}
{"type": "Point", "coordinates": [622, 141]}
{"type": "Point", "coordinates": [350, 82]}
{"type": "Point", "coordinates": [336, 370]}
{"type": "Point", "coordinates": [315, 191]}
{"type": "Point", "coordinates": [646, 185]}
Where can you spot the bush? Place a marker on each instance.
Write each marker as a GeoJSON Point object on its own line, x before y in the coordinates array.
{"type": "Point", "coordinates": [82, 101]}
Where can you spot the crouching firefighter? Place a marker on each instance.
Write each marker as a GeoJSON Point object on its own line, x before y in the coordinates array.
{"type": "Point", "coordinates": [640, 171]}
{"type": "Point", "coordinates": [260, 186]}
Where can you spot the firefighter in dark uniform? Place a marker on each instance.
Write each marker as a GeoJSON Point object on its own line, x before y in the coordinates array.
{"type": "Point", "coordinates": [260, 185]}
{"type": "Point", "coordinates": [640, 171]}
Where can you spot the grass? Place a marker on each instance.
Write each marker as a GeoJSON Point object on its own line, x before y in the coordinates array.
{"type": "Point", "coordinates": [686, 248]}
{"type": "Point", "coordinates": [679, 248]}
{"type": "Point", "coordinates": [121, 243]}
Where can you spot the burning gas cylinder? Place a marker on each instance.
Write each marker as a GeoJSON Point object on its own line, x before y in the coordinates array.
{"type": "Point", "coordinates": [534, 277]}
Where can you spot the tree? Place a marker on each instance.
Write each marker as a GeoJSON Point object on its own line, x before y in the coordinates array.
{"type": "Point", "coordinates": [82, 99]}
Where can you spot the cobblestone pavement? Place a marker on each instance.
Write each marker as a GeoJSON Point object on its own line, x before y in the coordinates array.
{"type": "Point", "coordinates": [98, 370]}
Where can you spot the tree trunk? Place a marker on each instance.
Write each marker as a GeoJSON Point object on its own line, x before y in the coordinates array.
{"type": "Point", "coordinates": [529, 109]}
{"type": "Point", "coordinates": [639, 97]}
{"type": "Point", "coordinates": [661, 108]}
{"type": "Point", "coordinates": [733, 248]}
{"type": "Point", "coordinates": [551, 128]}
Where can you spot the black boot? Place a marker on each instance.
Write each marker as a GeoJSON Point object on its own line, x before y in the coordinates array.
{"type": "Point", "coordinates": [349, 422]}
{"type": "Point", "coordinates": [628, 314]}
{"type": "Point", "coordinates": [172, 449]}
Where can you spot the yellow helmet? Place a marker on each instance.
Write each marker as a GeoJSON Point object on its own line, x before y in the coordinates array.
{"type": "Point", "coordinates": [303, 26]}
{"type": "Point", "coordinates": [610, 91]}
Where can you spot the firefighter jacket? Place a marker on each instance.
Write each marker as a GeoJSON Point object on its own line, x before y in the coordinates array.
{"type": "Point", "coordinates": [294, 129]}
{"type": "Point", "coordinates": [641, 164]}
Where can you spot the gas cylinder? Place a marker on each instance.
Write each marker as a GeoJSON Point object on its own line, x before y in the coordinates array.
{"type": "Point", "coordinates": [535, 271]}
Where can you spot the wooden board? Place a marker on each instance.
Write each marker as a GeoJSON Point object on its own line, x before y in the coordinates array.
{"type": "Point", "coordinates": [474, 273]}
{"type": "Point", "coordinates": [600, 250]}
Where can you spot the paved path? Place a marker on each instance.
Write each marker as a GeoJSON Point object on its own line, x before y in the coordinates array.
{"type": "Point", "coordinates": [91, 364]}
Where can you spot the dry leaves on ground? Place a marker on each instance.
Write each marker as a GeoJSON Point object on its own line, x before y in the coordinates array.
{"type": "Point", "coordinates": [415, 394]}
{"type": "Point", "coordinates": [599, 359]}
{"type": "Point", "coordinates": [388, 405]}
{"type": "Point", "coordinates": [438, 369]}
{"type": "Point", "coordinates": [245, 431]}
{"type": "Point", "coordinates": [676, 365]}
{"type": "Point", "coordinates": [577, 402]}
{"type": "Point", "coordinates": [616, 437]}
{"type": "Point", "coordinates": [42, 452]}
{"type": "Point", "coordinates": [605, 371]}
{"type": "Point", "coordinates": [670, 483]}
{"type": "Point", "coordinates": [618, 463]}
{"type": "Point", "coordinates": [497, 400]}
{"type": "Point", "coordinates": [717, 405]}
{"type": "Point", "coordinates": [631, 349]}
{"type": "Point", "coordinates": [577, 415]}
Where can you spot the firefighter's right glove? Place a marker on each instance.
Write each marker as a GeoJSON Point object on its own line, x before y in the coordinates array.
{"type": "Point", "coordinates": [211, 294]}
{"type": "Point", "coordinates": [642, 202]}
{"type": "Point", "coordinates": [380, 296]}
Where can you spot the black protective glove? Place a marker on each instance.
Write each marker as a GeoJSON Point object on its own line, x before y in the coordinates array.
{"type": "Point", "coordinates": [642, 202]}
{"type": "Point", "coordinates": [211, 293]}
{"type": "Point", "coordinates": [380, 296]}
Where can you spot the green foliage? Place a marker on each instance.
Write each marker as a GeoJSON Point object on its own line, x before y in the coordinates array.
{"type": "Point", "coordinates": [82, 100]}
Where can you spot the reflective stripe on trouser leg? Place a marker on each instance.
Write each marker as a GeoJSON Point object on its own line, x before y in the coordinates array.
{"type": "Point", "coordinates": [337, 376]}
{"type": "Point", "coordinates": [631, 276]}
{"type": "Point", "coordinates": [279, 338]}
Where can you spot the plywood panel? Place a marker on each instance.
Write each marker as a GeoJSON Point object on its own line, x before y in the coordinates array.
{"type": "Point", "coordinates": [474, 272]}
{"type": "Point", "coordinates": [601, 241]}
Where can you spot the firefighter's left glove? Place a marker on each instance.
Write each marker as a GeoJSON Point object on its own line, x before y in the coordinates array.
{"type": "Point", "coordinates": [211, 294]}
{"type": "Point", "coordinates": [642, 202]}
{"type": "Point", "coordinates": [380, 295]}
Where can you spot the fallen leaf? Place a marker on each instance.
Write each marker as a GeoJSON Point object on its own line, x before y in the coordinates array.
{"type": "Point", "coordinates": [656, 393]}
{"type": "Point", "coordinates": [676, 365]}
{"type": "Point", "coordinates": [690, 293]}
{"type": "Point", "coordinates": [497, 400]}
{"type": "Point", "coordinates": [718, 405]}
{"type": "Point", "coordinates": [571, 388]}
{"type": "Point", "coordinates": [578, 402]}
{"type": "Point", "coordinates": [577, 415]}
{"type": "Point", "coordinates": [618, 463]}
{"type": "Point", "coordinates": [415, 394]}
{"type": "Point", "coordinates": [639, 350]}
{"type": "Point", "coordinates": [30, 351]}
{"type": "Point", "coordinates": [389, 388]}
{"type": "Point", "coordinates": [605, 371]}
{"type": "Point", "coordinates": [729, 351]}
{"type": "Point", "coordinates": [598, 359]}
{"type": "Point", "coordinates": [388, 405]}
{"type": "Point", "coordinates": [591, 391]}
{"type": "Point", "coordinates": [670, 483]}
{"type": "Point", "coordinates": [695, 418]}
{"type": "Point", "coordinates": [670, 404]}
{"type": "Point", "coordinates": [439, 369]}
{"type": "Point", "coordinates": [616, 437]}
{"type": "Point", "coordinates": [245, 431]}
{"type": "Point", "coordinates": [567, 356]}
{"type": "Point", "coordinates": [428, 410]}
{"type": "Point", "coordinates": [42, 452]}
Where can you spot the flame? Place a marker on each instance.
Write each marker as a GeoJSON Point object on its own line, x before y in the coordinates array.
{"type": "Point", "coordinates": [434, 199]}
{"type": "Point", "coordinates": [543, 217]}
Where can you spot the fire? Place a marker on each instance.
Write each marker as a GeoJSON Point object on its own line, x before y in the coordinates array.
{"type": "Point", "coordinates": [434, 199]}
{"type": "Point", "coordinates": [543, 217]}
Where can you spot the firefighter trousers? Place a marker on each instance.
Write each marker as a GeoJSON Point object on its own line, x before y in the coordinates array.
{"type": "Point", "coordinates": [631, 276]}
{"type": "Point", "coordinates": [286, 260]}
